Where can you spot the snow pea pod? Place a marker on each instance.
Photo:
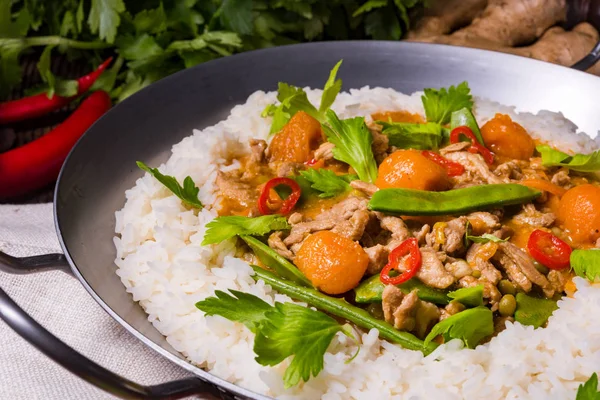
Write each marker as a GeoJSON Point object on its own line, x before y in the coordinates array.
{"type": "Point", "coordinates": [371, 291]}
{"type": "Point", "coordinates": [277, 263]}
{"type": "Point", "coordinates": [464, 117]}
{"type": "Point", "coordinates": [458, 201]}
{"type": "Point", "coordinates": [341, 308]}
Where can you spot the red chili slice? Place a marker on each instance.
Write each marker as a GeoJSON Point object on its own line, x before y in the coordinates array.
{"type": "Point", "coordinates": [549, 250]}
{"type": "Point", "coordinates": [285, 206]}
{"type": "Point", "coordinates": [453, 168]}
{"type": "Point", "coordinates": [476, 147]}
{"type": "Point", "coordinates": [411, 247]}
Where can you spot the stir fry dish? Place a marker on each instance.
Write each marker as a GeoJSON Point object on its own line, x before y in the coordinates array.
{"type": "Point", "coordinates": [426, 227]}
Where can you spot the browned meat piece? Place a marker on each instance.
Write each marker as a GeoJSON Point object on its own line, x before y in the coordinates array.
{"type": "Point", "coordinates": [295, 218]}
{"type": "Point", "coordinates": [558, 280]}
{"type": "Point", "coordinates": [562, 179]}
{"type": "Point", "coordinates": [277, 244]}
{"type": "Point", "coordinates": [231, 187]}
{"type": "Point", "coordinates": [520, 268]}
{"type": "Point", "coordinates": [490, 291]}
{"type": "Point", "coordinates": [367, 188]}
{"type": "Point", "coordinates": [421, 234]}
{"type": "Point", "coordinates": [500, 324]}
{"type": "Point", "coordinates": [380, 146]}
{"type": "Point", "coordinates": [478, 257]}
{"type": "Point", "coordinates": [485, 220]}
{"type": "Point", "coordinates": [257, 150]}
{"type": "Point", "coordinates": [448, 236]}
{"type": "Point", "coordinates": [458, 268]}
{"type": "Point", "coordinates": [286, 168]}
{"type": "Point", "coordinates": [531, 216]}
{"type": "Point", "coordinates": [325, 151]}
{"type": "Point", "coordinates": [408, 312]}
{"type": "Point", "coordinates": [378, 257]}
{"type": "Point", "coordinates": [454, 307]}
{"type": "Point", "coordinates": [504, 233]}
{"type": "Point", "coordinates": [348, 218]}
{"type": "Point", "coordinates": [451, 148]}
{"type": "Point", "coordinates": [395, 225]}
{"type": "Point", "coordinates": [432, 271]}
{"type": "Point", "coordinates": [475, 164]}
{"type": "Point", "coordinates": [465, 180]}
{"type": "Point", "coordinates": [509, 170]}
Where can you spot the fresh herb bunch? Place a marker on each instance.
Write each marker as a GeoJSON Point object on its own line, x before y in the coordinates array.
{"type": "Point", "coordinates": [154, 38]}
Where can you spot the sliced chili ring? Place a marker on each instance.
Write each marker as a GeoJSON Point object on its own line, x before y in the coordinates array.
{"type": "Point", "coordinates": [476, 147]}
{"type": "Point", "coordinates": [285, 206]}
{"type": "Point", "coordinates": [408, 247]}
{"type": "Point", "coordinates": [453, 168]}
{"type": "Point", "coordinates": [549, 250]}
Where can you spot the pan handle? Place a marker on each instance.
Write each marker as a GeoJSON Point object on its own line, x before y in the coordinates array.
{"type": "Point", "coordinates": [588, 61]}
{"type": "Point", "coordinates": [30, 330]}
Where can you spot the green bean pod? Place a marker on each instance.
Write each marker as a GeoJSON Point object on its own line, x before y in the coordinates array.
{"type": "Point", "coordinates": [341, 308]}
{"type": "Point", "coordinates": [458, 201]}
{"type": "Point", "coordinates": [277, 263]}
{"type": "Point", "coordinates": [464, 117]}
{"type": "Point", "coordinates": [371, 291]}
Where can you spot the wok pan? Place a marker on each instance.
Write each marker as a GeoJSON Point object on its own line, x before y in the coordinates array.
{"type": "Point", "coordinates": [102, 165]}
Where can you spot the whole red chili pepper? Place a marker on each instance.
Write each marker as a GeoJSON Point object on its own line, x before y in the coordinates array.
{"type": "Point", "coordinates": [286, 205]}
{"type": "Point", "coordinates": [38, 163]}
{"type": "Point", "coordinates": [41, 104]}
{"type": "Point", "coordinates": [549, 250]}
{"type": "Point", "coordinates": [453, 168]}
{"type": "Point", "coordinates": [476, 147]}
{"type": "Point", "coordinates": [411, 247]}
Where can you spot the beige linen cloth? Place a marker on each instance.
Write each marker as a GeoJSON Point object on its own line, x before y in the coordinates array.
{"type": "Point", "coordinates": [64, 307]}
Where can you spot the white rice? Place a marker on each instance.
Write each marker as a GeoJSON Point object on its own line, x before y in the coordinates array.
{"type": "Point", "coordinates": [162, 264]}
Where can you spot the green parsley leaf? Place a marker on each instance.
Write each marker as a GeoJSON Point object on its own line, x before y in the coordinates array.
{"type": "Point", "coordinates": [533, 311]}
{"type": "Point", "coordinates": [328, 182]}
{"type": "Point", "coordinates": [151, 20]}
{"type": "Point", "coordinates": [79, 16]}
{"type": "Point", "coordinates": [237, 15]}
{"type": "Point", "coordinates": [10, 70]}
{"type": "Point", "coordinates": [589, 389]}
{"type": "Point", "coordinates": [68, 24]}
{"type": "Point", "coordinates": [586, 263]}
{"type": "Point", "coordinates": [245, 308]}
{"type": "Point", "coordinates": [331, 89]}
{"type": "Point", "coordinates": [368, 6]}
{"type": "Point", "coordinates": [223, 228]}
{"type": "Point", "coordinates": [577, 162]}
{"type": "Point", "coordinates": [440, 104]}
{"type": "Point", "coordinates": [293, 330]}
{"type": "Point", "coordinates": [104, 18]}
{"type": "Point", "coordinates": [352, 141]}
{"type": "Point", "coordinates": [469, 296]}
{"type": "Point", "coordinates": [470, 326]}
{"type": "Point", "coordinates": [382, 24]}
{"type": "Point", "coordinates": [294, 99]}
{"type": "Point", "coordinates": [66, 87]}
{"type": "Point", "coordinates": [188, 192]}
{"type": "Point", "coordinates": [413, 136]}
{"type": "Point", "coordinates": [485, 238]}
{"type": "Point", "coordinates": [138, 47]}
{"type": "Point", "coordinates": [107, 80]}
{"type": "Point", "coordinates": [43, 67]}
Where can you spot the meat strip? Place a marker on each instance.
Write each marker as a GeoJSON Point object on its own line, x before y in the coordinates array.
{"type": "Point", "coordinates": [520, 268]}
{"type": "Point", "coordinates": [367, 188]}
{"type": "Point", "coordinates": [475, 164]}
{"type": "Point", "coordinates": [276, 243]}
{"type": "Point", "coordinates": [531, 216]}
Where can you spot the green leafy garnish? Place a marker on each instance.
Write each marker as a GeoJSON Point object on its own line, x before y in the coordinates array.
{"type": "Point", "coordinates": [577, 162]}
{"type": "Point", "coordinates": [440, 104]}
{"type": "Point", "coordinates": [293, 99]}
{"type": "Point", "coordinates": [469, 296]}
{"type": "Point", "coordinates": [589, 389]}
{"type": "Point", "coordinates": [485, 238]}
{"type": "Point", "coordinates": [352, 141]}
{"type": "Point", "coordinates": [59, 87]}
{"type": "Point", "coordinates": [586, 263]}
{"type": "Point", "coordinates": [533, 311]}
{"type": "Point", "coordinates": [188, 192]}
{"type": "Point", "coordinates": [327, 182]}
{"type": "Point", "coordinates": [245, 308]}
{"type": "Point", "coordinates": [470, 326]}
{"type": "Point", "coordinates": [406, 135]}
{"type": "Point", "coordinates": [223, 228]}
{"type": "Point", "coordinates": [283, 330]}
{"type": "Point", "coordinates": [104, 18]}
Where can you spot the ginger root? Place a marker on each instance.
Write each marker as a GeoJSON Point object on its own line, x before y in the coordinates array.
{"type": "Point", "coordinates": [446, 16]}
